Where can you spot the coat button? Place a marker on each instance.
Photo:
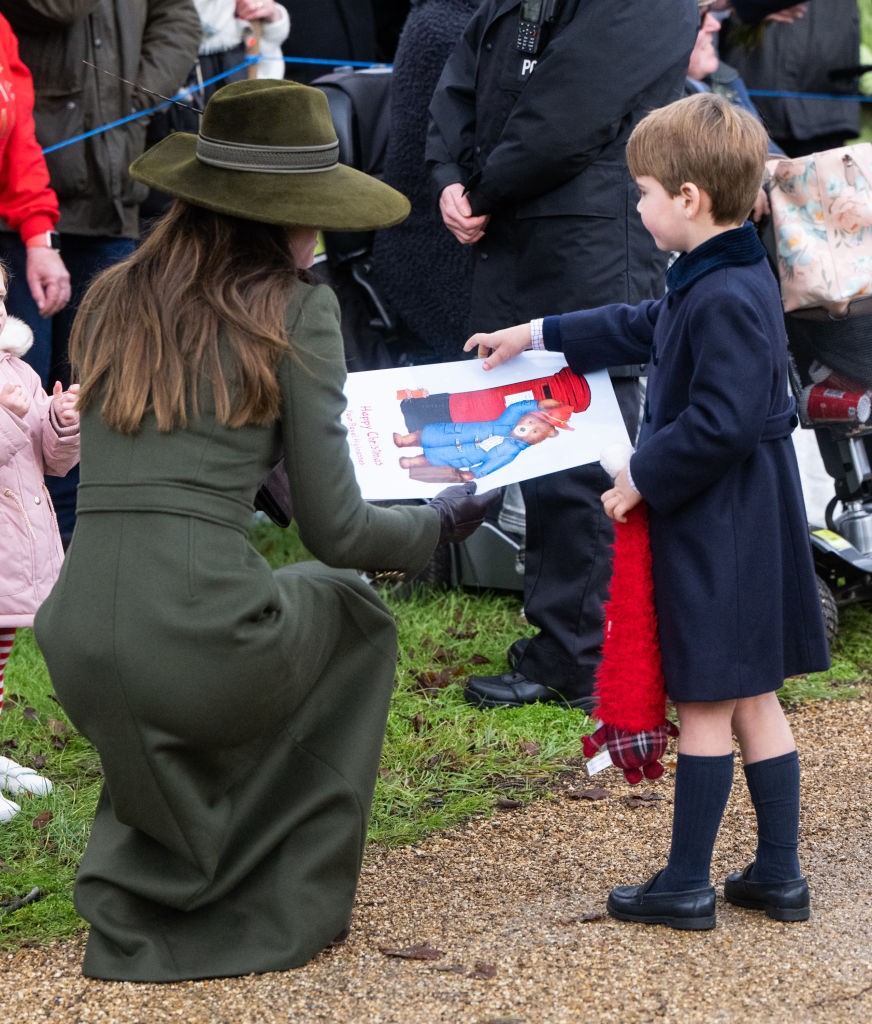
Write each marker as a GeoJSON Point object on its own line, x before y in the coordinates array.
{"type": "Point", "coordinates": [37, 500]}
{"type": "Point", "coordinates": [482, 255]}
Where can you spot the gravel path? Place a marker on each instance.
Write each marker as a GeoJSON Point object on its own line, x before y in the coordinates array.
{"type": "Point", "coordinates": [516, 906]}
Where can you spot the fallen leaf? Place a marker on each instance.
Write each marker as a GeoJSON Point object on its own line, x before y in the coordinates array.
{"type": "Point", "coordinates": [57, 727]}
{"type": "Point", "coordinates": [505, 803]}
{"type": "Point", "coordinates": [642, 799]}
{"type": "Point", "coordinates": [30, 714]}
{"type": "Point", "coordinates": [483, 971]}
{"type": "Point", "coordinates": [479, 659]}
{"type": "Point", "coordinates": [596, 793]}
{"type": "Point", "coordinates": [529, 747]}
{"type": "Point", "coordinates": [41, 820]}
{"type": "Point", "coordinates": [424, 951]}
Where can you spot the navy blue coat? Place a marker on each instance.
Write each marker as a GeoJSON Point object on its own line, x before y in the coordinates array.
{"type": "Point", "coordinates": [736, 596]}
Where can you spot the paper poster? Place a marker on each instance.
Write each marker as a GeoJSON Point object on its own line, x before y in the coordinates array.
{"type": "Point", "coordinates": [414, 430]}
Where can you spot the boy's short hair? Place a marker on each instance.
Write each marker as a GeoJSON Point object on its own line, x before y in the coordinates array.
{"type": "Point", "coordinates": [708, 141]}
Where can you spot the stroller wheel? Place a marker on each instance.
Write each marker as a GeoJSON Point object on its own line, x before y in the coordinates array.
{"type": "Point", "coordinates": [828, 608]}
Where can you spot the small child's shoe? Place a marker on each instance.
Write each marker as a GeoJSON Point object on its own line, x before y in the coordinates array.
{"type": "Point", "coordinates": [8, 809]}
{"type": "Point", "coordinates": [15, 778]}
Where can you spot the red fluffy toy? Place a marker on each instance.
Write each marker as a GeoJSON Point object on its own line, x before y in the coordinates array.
{"type": "Point", "coordinates": [630, 691]}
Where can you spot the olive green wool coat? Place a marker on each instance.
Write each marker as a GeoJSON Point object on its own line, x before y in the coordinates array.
{"type": "Point", "coordinates": [238, 712]}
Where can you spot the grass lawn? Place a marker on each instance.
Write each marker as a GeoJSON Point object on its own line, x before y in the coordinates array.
{"type": "Point", "coordinates": [443, 761]}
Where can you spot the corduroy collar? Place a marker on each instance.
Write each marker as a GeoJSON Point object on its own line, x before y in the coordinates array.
{"type": "Point", "coordinates": [736, 248]}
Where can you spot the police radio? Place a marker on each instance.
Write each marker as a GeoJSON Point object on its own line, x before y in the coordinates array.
{"type": "Point", "coordinates": [533, 15]}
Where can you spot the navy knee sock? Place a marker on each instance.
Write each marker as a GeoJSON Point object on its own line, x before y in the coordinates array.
{"type": "Point", "coordinates": [774, 788]}
{"type": "Point", "coordinates": [702, 788]}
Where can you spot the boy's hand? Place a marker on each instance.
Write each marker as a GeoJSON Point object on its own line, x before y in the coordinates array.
{"type": "Point", "coordinates": [14, 398]}
{"type": "Point", "coordinates": [64, 404]}
{"type": "Point", "coordinates": [620, 499]}
{"type": "Point", "coordinates": [500, 346]}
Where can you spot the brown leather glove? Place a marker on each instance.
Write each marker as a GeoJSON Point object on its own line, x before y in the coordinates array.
{"type": "Point", "coordinates": [461, 511]}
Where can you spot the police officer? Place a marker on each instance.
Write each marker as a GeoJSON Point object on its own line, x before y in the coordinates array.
{"type": "Point", "coordinates": [526, 151]}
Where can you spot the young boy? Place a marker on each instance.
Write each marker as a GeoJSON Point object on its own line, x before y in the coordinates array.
{"type": "Point", "coordinates": [735, 592]}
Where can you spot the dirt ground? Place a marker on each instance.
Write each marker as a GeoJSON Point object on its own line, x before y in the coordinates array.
{"type": "Point", "coordinates": [509, 912]}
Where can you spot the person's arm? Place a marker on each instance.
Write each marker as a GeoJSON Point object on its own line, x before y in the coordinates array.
{"type": "Point", "coordinates": [169, 48]}
{"type": "Point", "coordinates": [451, 128]}
{"type": "Point", "coordinates": [591, 339]}
{"type": "Point", "coordinates": [27, 203]}
{"type": "Point", "coordinates": [729, 399]}
{"type": "Point", "coordinates": [751, 11]}
{"type": "Point", "coordinates": [335, 523]}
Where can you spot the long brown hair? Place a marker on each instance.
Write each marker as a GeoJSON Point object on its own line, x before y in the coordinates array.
{"type": "Point", "coordinates": [147, 332]}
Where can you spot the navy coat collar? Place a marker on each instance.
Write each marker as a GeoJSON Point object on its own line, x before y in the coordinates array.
{"type": "Point", "coordinates": [736, 248]}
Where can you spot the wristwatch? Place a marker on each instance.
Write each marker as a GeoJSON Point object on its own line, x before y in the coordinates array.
{"type": "Point", "coordinates": [45, 240]}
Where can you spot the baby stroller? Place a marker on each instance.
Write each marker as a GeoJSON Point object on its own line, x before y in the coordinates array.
{"type": "Point", "coordinates": [831, 376]}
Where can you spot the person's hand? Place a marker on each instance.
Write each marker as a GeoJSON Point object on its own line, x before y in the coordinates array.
{"type": "Point", "coordinates": [48, 280]}
{"type": "Point", "coordinates": [787, 14]}
{"type": "Point", "coordinates": [499, 346]}
{"type": "Point", "coordinates": [457, 215]}
{"type": "Point", "coordinates": [761, 207]}
{"type": "Point", "coordinates": [64, 404]}
{"type": "Point", "coordinates": [461, 511]}
{"type": "Point", "coordinates": [620, 499]}
{"type": "Point", "coordinates": [257, 10]}
{"type": "Point", "coordinates": [14, 398]}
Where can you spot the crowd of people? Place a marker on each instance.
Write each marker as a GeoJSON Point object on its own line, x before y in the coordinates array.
{"type": "Point", "coordinates": [584, 178]}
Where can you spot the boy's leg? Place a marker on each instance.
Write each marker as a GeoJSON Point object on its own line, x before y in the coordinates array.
{"type": "Point", "coordinates": [703, 779]}
{"type": "Point", "coordinates": [681, 895]}
{"type": "Point", "coordinates": [773, 882]}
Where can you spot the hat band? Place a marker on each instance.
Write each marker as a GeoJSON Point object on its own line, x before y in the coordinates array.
{"type": "Point", "coordinates": [236, 156]}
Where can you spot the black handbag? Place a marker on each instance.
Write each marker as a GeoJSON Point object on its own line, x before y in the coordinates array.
{"type": "Point", "coordinates": [273, 497]}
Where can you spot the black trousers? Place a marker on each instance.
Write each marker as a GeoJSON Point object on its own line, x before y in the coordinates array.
{"type": "Point", "coordinates": [566, 578]}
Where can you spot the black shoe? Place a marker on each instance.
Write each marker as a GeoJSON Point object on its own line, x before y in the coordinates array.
{"type": "Point", "coordinates": [693, 910]}
{"type": "Point", "coordinates": [514, 690]}
{"type": "Point", "coordinates": [783, 901]}
{"type": "Point", "coordinates": [517, 650]}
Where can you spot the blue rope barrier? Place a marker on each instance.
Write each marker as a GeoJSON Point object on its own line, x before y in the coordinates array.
{"type": "Point", "coordinates": [181, 95]}
{"type": "Point", "coordinates": [779, 94]}
{"type": "Point", "coordinates": [185, 94]}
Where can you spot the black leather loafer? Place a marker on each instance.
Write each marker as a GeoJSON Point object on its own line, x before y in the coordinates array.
{"type": "Point", "coordinates": [693, 910]}
{"type": "Point", "coordinates": [782, 901]}
{"type": "Point", "coordinates": [514, 690]}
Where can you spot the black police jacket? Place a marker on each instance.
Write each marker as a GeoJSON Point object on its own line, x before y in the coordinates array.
{"type": "Point", "coordinates": [538, 141]}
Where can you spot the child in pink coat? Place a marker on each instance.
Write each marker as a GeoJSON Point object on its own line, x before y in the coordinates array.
{"type": "Point", "coordinates": [39, 434]}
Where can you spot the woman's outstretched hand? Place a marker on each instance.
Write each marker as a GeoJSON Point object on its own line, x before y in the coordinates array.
{"type": "Point", "coordinates": [461, 511]}
{"type": "Point", "coordinates": [500, 346]}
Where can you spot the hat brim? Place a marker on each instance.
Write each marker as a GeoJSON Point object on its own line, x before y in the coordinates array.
{"type": "Point", "coordinates": [338, 199]}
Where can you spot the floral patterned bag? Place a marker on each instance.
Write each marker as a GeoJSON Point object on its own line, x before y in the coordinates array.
{"type": "Point", "coordinates": [822, 220]}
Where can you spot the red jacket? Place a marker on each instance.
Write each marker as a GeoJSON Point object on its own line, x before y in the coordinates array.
{"type": "Point", "coordinates": [27, 204]}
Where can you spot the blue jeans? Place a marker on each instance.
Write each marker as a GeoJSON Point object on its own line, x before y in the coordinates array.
{"type": "Point", "coordinates": [84, 256]}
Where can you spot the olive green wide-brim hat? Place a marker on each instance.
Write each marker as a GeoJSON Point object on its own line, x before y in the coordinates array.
{"type": "Point", "coordinates": [267, 151]}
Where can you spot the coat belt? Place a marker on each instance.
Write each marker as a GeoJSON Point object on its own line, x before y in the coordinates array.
{"type": "Point", "coordinates": [171, 499]}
